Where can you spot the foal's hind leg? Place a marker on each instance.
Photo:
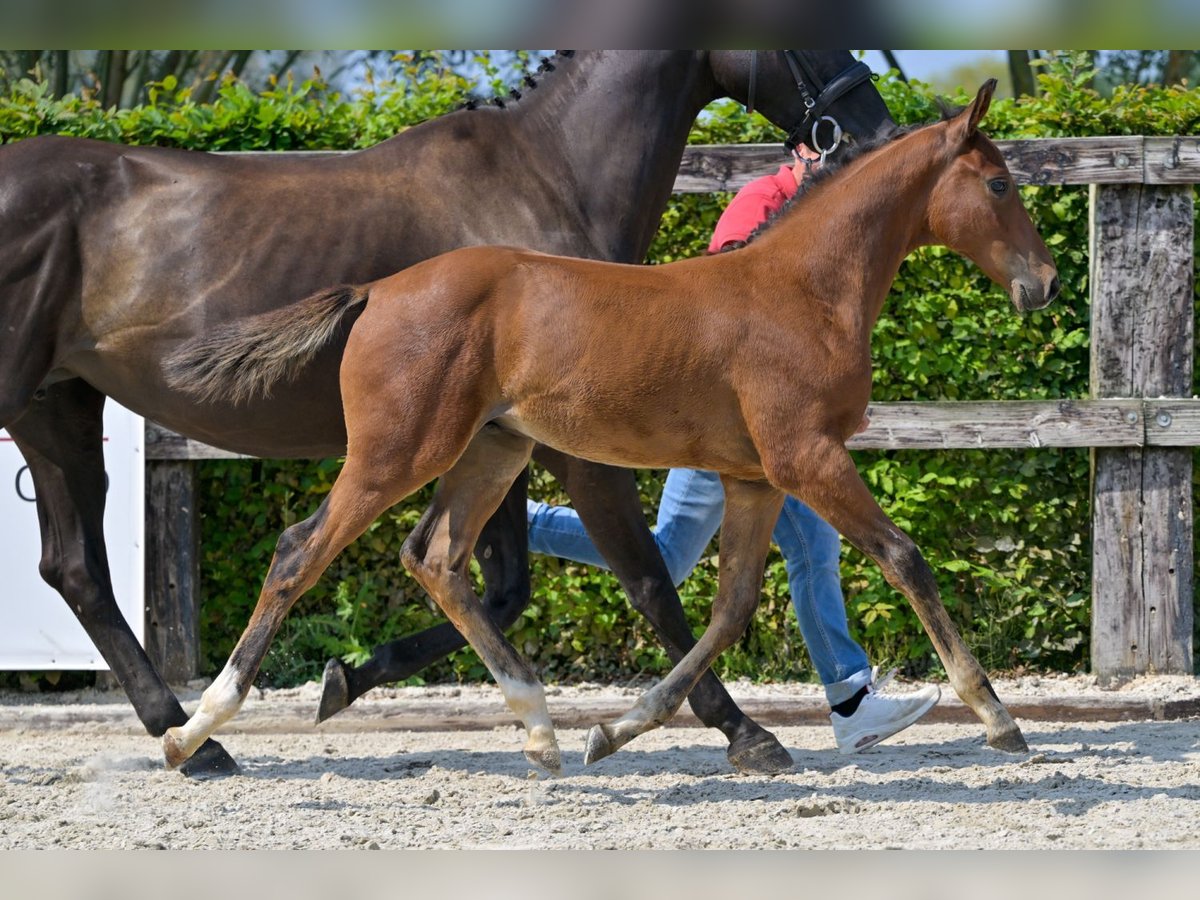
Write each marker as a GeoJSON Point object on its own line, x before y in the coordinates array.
{"type": "Point", "coordinates": [607, 502]}
{"type": "Point", "coordinates": [60, 437]}
{"type": "Point", "coordinates": [503, 555]}
{"type": "Point", "coordinates": [831, 485]}
{"type": "Point", "coordinates": [750, 513]}
{"type": "Point", "coordinates": [437, 554]}
{"type": "Point", "coordinates": [364, 489]}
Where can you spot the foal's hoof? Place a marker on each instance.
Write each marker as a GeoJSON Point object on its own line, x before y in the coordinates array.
{"type": "Point", "coordinates": [1010, 740]}
{"type": "Point", "coordinates": [173, 748]}
{"type": "Point", "coordinates": [759, 754]}
{"type": "Point", "coordinates": [210, 761]}
{"type": "Point", "coordinates": [335, 690]}
{"type": "Point", "coordinates": [548, 759]}
{"type": "Point", "coordinates": [599, 745]}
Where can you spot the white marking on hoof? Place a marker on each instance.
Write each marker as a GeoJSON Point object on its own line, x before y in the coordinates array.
{"type": "Point", "coordinates": [528, 701]}
{"type": "Point", "coordinates": [218, 704]}
{"type": "Point", "coordinates": [172, 742]}
{"type": "Point", "coordinates": [542, 750]}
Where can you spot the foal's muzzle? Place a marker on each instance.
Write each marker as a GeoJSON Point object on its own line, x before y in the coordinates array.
{"type": "Point", "coordinates": [1030, 292]}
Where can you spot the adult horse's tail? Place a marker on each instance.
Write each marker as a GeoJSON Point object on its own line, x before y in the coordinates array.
{"type": "Point", "coordinates": [245, 358]}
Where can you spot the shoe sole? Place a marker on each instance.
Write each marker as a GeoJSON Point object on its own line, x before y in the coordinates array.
{"type": "Point", "coordinates": [910, 720]}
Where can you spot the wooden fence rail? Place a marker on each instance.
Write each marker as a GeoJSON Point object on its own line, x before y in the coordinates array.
{"type": "Point", "coordinates": [1140, 419]}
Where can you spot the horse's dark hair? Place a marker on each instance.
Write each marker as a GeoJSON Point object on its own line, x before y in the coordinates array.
{"type": "Point", "coordinates": [529, 79]}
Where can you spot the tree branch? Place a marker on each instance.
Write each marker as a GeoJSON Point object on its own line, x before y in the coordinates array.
{"type": "Point", "coordinates": [114, 79]}
{"type": "Point", "coordinates": [292, 56]}
{"type": "Point", "coordinates": [1021, 73]}
{"type": "Point", "coordinates": [890, 56]}
{"type": "Point", "coordinates": [208, 87]}
{"type": "Point", "coordinates": [62, 72]}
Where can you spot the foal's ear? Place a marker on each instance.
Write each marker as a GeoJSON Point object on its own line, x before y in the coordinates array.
{"type": "Point", "coordinates": [970, 118]}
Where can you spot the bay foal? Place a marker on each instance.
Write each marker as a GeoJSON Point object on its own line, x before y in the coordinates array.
{"type": "Point", "coordinates": [754, 363]}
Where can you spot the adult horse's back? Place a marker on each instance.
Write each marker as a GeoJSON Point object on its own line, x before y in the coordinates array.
{"type": "Point", "coordinates": [112, 256]}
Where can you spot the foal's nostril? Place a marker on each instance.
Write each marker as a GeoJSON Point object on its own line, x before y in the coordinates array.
{"type": "Point", "coordinates": [1052, 292]}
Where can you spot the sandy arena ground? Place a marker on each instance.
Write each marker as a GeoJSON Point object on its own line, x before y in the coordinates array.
{"type": "Point", "coordinates": [75, 772]}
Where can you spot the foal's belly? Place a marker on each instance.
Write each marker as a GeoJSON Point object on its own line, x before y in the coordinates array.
{"type": "Point", "coordinates": [641, 444]}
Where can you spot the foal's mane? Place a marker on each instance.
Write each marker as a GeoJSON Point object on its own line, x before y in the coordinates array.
{"type": "Point", "coordinates": [838, 163]}
{"type": "Point", "coordinates": [530, 80]}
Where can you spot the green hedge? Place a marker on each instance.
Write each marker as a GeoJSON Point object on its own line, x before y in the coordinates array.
{"type": "Point", "coordinates": [1006, 531]}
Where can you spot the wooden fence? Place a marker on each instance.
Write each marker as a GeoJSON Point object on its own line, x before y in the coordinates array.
{"type": "Point", "coordinates": [1140, 419]}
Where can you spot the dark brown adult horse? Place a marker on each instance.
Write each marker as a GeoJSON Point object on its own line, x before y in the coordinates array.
{"type": "Point", "coordinates": [754, 363]}
{"type": "Point", "coordinates": [112, 256]}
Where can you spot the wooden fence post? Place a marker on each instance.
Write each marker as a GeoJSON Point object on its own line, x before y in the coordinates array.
{"type": "Point", "coordinates": [1141, 336]}
{"type": "Point", "coordinates": [172, 570]}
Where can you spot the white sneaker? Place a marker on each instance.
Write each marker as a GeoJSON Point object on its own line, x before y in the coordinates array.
{"type": "Point", "coordinates": [878, 718]}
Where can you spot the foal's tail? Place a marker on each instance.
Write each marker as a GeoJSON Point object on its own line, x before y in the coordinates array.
{"type": "Point", "coordinates": [244, 359]}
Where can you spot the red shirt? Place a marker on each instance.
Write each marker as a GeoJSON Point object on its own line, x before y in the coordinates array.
{"type": "Point", "coordinates": [751, 206]}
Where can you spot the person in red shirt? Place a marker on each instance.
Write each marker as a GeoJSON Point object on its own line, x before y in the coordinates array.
{"type": "Point", "coordinates": [690, 512]}
{"type": "Point", "coordinates": [758, 201]}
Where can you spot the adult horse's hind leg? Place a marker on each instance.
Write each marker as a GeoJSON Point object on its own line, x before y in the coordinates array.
{"type": "Point", "coordinates": [835, 491]}
{"type": "Point", "coordinates": [751, 509]}
{"type": "Point", "coordinates": [503, 555]}
{"type": "Point", "coordinates": [60, 437]}
{"type": "Point", "coordinates": [437, 554]}
{"type": "Point", "coordinates": [607, 502]}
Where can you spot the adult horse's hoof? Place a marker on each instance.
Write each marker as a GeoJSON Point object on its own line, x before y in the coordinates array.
{"type": "Point", "coordinates": [210, 761]}
{"type": "Point", "coordinates": [759, 753]}
{"type": "Point", "coordinates": [599, 745]}
{"type": "Point", "coordinates": [1010, 740]}
{"type": "Point", "coordinates": [335, 690]}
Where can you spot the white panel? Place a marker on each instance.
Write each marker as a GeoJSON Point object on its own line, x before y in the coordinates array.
{"type": "Point", "coordinates": [37, 630]}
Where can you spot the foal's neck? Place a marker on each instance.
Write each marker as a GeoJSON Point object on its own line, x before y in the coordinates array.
{"type": "Point", "coordinates": [618, 121]}
{"type": "Point", "coordinates": [841, 245]}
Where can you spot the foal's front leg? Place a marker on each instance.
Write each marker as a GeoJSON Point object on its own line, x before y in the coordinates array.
{"type": "Point", "coordinates": [828, 481]}
{"type": "Point", "coordinates": [751, 509]}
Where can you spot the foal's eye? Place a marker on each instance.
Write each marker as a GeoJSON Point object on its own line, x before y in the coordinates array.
{"type": "Point", "coordinates": [999, 186]}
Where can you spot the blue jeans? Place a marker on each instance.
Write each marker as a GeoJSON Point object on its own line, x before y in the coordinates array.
{"type": "Point", "coordinates": [693, 503]}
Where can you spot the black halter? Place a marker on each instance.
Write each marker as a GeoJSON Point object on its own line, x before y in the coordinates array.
{"type": "Point", "coordinates": [808, 130]}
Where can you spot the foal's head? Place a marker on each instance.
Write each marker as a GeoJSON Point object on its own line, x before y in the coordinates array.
{"type": "Point", "coordinates": [975, 209]}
